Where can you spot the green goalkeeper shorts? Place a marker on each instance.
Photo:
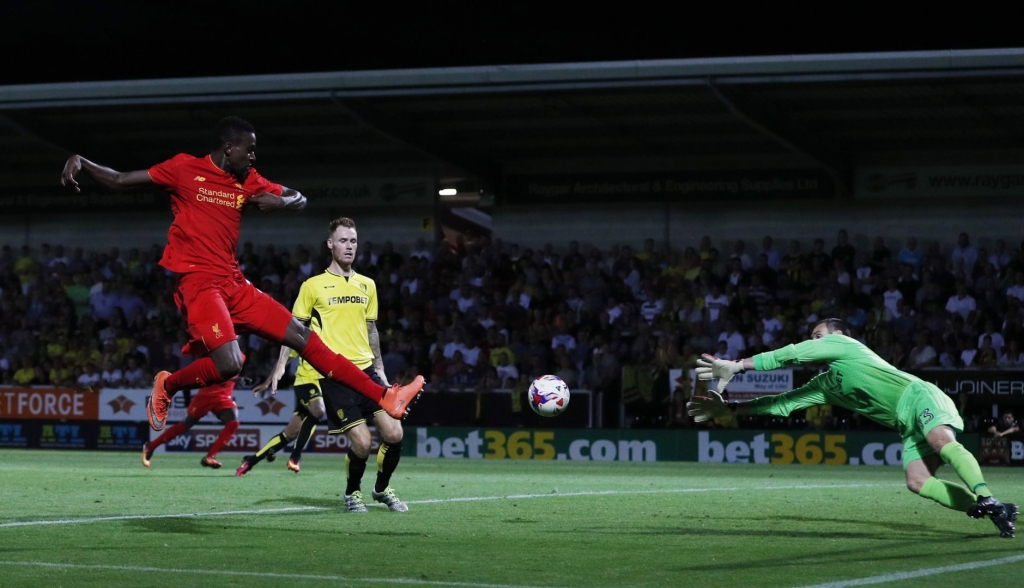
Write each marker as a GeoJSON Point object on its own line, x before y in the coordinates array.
{"type": "Point", "coordinates": [922, 408]}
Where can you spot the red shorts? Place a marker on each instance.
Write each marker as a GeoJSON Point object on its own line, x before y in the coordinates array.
{"type": "Point", "coordinates": [213, 399]}
{"type": "Point", "coordinates": [215, 307]}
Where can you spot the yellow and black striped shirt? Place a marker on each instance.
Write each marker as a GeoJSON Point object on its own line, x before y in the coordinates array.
{"type": "Point", "coordinates": [337, 309]}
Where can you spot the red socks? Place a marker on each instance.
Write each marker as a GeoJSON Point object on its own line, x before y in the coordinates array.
{"type": "Point", "coordinates": [225, 437]}
{"type": "Point", "coordinates": [336, 367]}
{"type": "Point", "coordinates": [175, 430]}
{"type": "Point", "coordinates": [201, 372]}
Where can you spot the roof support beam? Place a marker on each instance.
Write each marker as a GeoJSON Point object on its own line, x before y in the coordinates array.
{"type": "Point", "coordinates": [796, 141]}
{"type": "Point", "coordinates": [407, 133]}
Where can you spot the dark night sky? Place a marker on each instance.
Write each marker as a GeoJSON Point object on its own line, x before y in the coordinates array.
{"type": "Point", "coordinates": [54, 41]}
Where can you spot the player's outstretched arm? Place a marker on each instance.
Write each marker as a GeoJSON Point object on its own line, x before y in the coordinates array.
{"type": "Point", "coordinates": [378, 363]}
{"type": "Point", "coordinates": [710, 367]}
{"type": "Point", "coordinates": [276, 375]}
{"type": "Point", "coordinates": [706, 408]}
{"type": "Point", "coordinates": [110, 179]}
{"type": "Point", "coordinates": [288, 200]}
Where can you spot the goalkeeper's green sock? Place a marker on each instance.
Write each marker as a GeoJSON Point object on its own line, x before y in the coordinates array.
{"type": "Point", "coordinates": [966, 467]}
{"type": "Point", "coordinates": [948, 494]}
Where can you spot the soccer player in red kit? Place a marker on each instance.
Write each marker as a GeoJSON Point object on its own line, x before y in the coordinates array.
{"type": "Point", "coordinates": [208, 195]}
{"type": "Point", "coordinates": [216, 399]}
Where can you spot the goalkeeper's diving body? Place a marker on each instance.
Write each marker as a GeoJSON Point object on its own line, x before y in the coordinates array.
{"type": "Point", "coordinates": [859, 380]}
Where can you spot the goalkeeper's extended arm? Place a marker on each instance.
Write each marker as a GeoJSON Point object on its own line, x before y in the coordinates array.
{"type": "Point", "coordinates": [712, 406]}
{"type": "Point", "coordinates": [710, 367]}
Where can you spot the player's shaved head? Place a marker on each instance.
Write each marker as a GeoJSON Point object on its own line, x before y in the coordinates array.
{"type": "Point", "coordinates": [230, 129]}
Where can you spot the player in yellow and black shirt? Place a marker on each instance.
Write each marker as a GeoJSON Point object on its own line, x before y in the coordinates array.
{"type": "Point", "coordinates": [341, 306]}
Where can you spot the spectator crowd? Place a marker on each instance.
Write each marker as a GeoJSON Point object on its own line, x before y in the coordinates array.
{"type": "Point", "coordinates": [480, 313]}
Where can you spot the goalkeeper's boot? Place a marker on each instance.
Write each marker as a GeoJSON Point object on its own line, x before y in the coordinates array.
{"type": "Point", "coordinates": [1004, 520]}
{"type": "Point", "coordinates": [247, 464]}
{"type": "Point", "coordinates": [147, 454]}
{"type": "Point", "coordinates": [985, 506]}
{"type": "Point", "coordinates": [397, 398]}
{"type": "Point", "coordinates": [209, 462]}
{"type": "Point", "coordinates": [354, 502]}
{"type": "Point", "coordinates": [159, 402]}
{"type": "Point", "coordinates": [388, 498]}
{"type": "Point", "coordinates": [293, 465]}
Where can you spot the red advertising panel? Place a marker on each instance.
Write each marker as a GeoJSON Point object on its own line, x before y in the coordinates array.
{"type": "Point", "coordinates": [48, 403]}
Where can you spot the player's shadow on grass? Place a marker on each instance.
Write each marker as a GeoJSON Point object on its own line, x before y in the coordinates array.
{"type": "Point", "coordinates": [158, 475]}
{"type": "Point", "coordinates": [389, 533]}
{"type": "Point", "coordinates": [782, 533]}
{"type": "Point", "coordinates": [183, 525]}
{"type": "Point", "coordinates": [886, 530]}
{"type": "Point", "coordinates": [304, 501]}
{"type": "Point", "coordinates": [886, 525]}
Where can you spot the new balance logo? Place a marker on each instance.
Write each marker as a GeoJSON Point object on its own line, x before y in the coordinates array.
{"type": "Point", "coordinates": [199, 179]}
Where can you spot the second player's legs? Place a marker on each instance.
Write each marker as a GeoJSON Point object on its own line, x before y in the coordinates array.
{"type": "Point", "coordinates": [359, 441]}
{"type": "Point", "coordinates": [175, 430]}
{"type": "Point", "coordinates": [390, 451]}
{"type": "Point", "coordinates": [315, 412]}
{"type": "Point", "coordinates": [228, 416]}
{"type": "Point", "coordinates": [308, 402]}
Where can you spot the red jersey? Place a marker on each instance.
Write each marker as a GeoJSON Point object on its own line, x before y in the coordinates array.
{"type": "Point", "coordinates": [207, 205]}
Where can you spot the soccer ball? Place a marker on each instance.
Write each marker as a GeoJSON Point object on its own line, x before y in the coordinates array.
{"type": "Point", "coordinates": [548, 396]}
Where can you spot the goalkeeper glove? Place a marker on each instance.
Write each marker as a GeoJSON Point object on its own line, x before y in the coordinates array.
{"type": "Point", "coordinates": [705, 408]}
{"type": "Point", "coordinates": [710, 367]}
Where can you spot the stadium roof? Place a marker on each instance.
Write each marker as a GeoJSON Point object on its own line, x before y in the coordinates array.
{"type": "Point", "coordinates": [831, 112]}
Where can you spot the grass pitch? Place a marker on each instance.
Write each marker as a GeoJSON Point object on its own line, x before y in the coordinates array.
{"type": "Point", "coordinates": [76, 518]}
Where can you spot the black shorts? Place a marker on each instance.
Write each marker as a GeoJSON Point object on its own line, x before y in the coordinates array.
{"type": "Point", "coordinates": [347, 408]}
{"type": "Point", "coordinates": [304, 394]}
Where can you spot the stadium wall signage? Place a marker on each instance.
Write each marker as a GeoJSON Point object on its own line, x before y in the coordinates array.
{"type": "Point", "coordinates": [1003, 387]}
{"type": "Point", "coordinates": [415, 191]}
{"type": "Point", "coordinates": [23, 201]}
{"type": "Point", "coordinates": [939, 182]}
{"type": "Point", "coordinates": [670, 186]}
{"type": "Point", "coordinates": [707, 446]}
{"type": "Point", "coordinates": [445, 408]}
{"type": "Point", "coordinates": [47, 403]}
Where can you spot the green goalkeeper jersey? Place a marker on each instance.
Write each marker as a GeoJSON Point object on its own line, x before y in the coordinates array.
{"type": "Point", "coordinates": [856, 379]}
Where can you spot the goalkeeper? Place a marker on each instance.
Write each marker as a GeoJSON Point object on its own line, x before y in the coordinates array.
{"type": "Point", "coordinates": [861, 381]}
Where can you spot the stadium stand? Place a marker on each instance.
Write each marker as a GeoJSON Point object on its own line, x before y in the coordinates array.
{"type": "Point", "coordinates": [486, 314]}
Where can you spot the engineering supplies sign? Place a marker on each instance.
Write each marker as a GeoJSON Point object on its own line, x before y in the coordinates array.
{"type": "Point", "coordinates": [671, 186]}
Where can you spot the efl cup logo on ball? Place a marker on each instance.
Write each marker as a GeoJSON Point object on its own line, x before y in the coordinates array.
{"type": "Point", "coordinates": [548, 396]}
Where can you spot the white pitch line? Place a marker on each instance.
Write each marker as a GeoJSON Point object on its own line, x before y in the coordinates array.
{"type": "Point", "coordinates": [897, 576]}
{"type": "Point", "coordinates": [322, 577]}
{"type": "Point", "coordinates": [427, 501]}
